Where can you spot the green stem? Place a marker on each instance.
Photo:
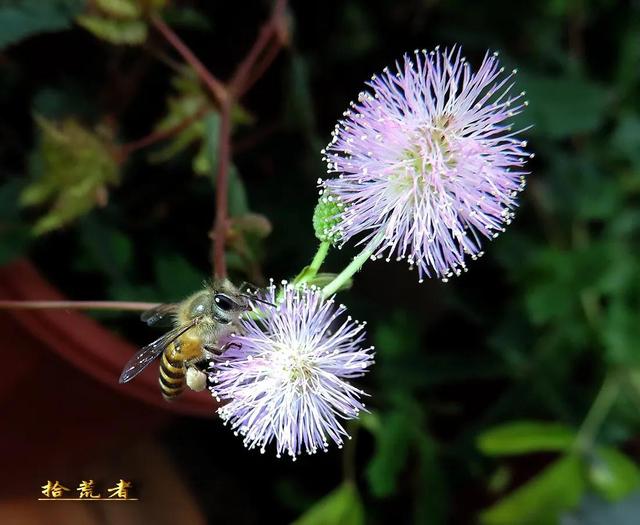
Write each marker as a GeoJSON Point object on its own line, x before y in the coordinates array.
{"type": "Point", "coordinates": [309, 272]}
{"type": "Point", "coordinates": [320, 256]}
{"type": "Point", "coordinates": [598, 412]}
{"type": "Point", "coordinates": [353, 267]}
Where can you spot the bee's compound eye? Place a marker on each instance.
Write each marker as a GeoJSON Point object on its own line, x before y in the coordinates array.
{"type": "Point", "coordinates": [224, 303]}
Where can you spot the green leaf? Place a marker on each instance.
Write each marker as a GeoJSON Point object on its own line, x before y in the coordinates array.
{"type": "Point", "coordinates": [322, 279]}
{"type": "Point", "coordinates": [340, 507]}
{"type": "Point", "coordinates": [57, 103]}
{"type": "Point", "coordinates": [254, 224]}
{"type": "Point", "coordinates": [120, 8]}
{"type": "Point", "coordinates": [558, 277]}
{"type": "Point", "coordinates": [397, 336]}
{"type": "Point", "coordinates": [237, 193]}
{"type": "Point", "coordinates": [631, 383]}
{"type": "Point", "coordinates": [625, 140]}
{"type": "Point", "coordinates": [540, 501]}
{"type": "Point", "coordinates": [176, 277]}
{"type": "Point", "coordinates": [393, 441]}
{"type": "Point", "coordinates": [621, 332]}
{"type": "Point", "coordinates": [113, 30]}
{"type": "Point", "coordinates": [20, 19]}
{"type": "Point", "coordinates": [299, 109]}
{"type": "Point", "coordinates": [104, 248]}
{"type": "Point", "coordinates": [71, 171]}
{"type": "Point", "coordinates": [523, 437]}
{"type": "Point", "coordinates": [206, 160]}
{"type": "Point", "coordinates": [187, 17]}
{"type": "Point", "coordinates": [431, 497]}
{"type": "Point", "coordinates": [613, 474]}
{"type": "Point", "coordinates": [561, 106]}
{"type": "Point", "coordinates": [355, 36]}
{"type": "Point", "coordinates": [185, 105]}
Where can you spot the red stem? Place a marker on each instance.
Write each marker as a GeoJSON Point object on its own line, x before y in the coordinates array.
{"type": "Point", "coordinates": [77, 305]}
{"type": "Point", "coordinates": [239, 83]}
{"type": "Point", "coordinates": [246, 74]}
{"type": "Point", "coordinates": [222, 189]}
{"type": "Point", "coordinates": [157, 136]}
{"type": "Point", "coordinates": [216, 87]}
{"type": "Point", "coordinates": [261, 66]}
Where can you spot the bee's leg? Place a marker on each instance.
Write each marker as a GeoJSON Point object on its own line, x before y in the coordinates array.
{"type": "Point", "coordinates": [211, 351]}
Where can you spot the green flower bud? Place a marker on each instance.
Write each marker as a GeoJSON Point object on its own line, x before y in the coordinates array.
{"type": "Point", "coordinates": [327, 217]}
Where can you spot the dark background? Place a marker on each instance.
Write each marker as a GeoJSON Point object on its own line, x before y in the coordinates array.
{"type": "Point", "coordinates": [545, 328]}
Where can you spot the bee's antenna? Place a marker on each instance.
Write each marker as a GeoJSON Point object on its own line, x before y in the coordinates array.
{"type": "Point", "coordinates": [253, 298]}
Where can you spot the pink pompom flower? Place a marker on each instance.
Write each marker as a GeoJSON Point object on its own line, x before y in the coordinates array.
{"type": "Point", "coordinates": [285, 377]}
{"type": "Point", "coordinates": [428, 162]}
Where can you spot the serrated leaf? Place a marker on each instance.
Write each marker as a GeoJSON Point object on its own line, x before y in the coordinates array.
{"type": "Point", "coordinates": [613, 474]}
{"type": "Point", "coordinates": [541, 500]}
{"type": "Point", "coordinates": [113, 30]}
{"type": "Point", "coordinates": [20, 19]}
{"type": "Point", "coordinates": [340, 507]}
{"type": "Point", "coordinates": [71, 171]}
{"type": "Point", "coordinates": [188, 104]}
{"type": "Point", "coordinates": [523, 437]}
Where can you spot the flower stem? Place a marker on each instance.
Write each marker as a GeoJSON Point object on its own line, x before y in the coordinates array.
{"type": "Point", "coordinates": [598, 412]}
{"type": "Point", "coordinates": [353, 266]}
{"type": "Point", "coordinates": [309, 272]}
{"type": "Point", "coordinates": [320, 256]}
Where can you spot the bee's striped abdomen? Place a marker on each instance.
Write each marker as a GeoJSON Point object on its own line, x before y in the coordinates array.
{"type": "Point", "coordinates": [171, 374]}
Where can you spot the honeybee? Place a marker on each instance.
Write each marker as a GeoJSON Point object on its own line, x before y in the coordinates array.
{"type": "Point", "coordinates": [199, 322]}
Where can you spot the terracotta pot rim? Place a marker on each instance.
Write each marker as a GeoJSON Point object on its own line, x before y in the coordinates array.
{"type": "Point", "coordinates": [86, 344]}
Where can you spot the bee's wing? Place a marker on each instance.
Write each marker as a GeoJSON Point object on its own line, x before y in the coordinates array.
{"type": "Point", "coordinates": [161, 315]}
{"type": "Point", "coordinates": [146, 355]}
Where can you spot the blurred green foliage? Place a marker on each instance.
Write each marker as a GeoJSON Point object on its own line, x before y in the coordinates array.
{"type": "Point", "coordinates": [71, 169]}
{"type": "Point", "coordinates": [508, 396]}
{"type": "Point", "coordinates": [21, 19]}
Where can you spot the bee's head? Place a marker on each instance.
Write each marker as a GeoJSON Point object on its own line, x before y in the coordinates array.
{"type": "Point", "coordinates": [223, 302]}
{"type": "Point", "coordinates": [227, 307]}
